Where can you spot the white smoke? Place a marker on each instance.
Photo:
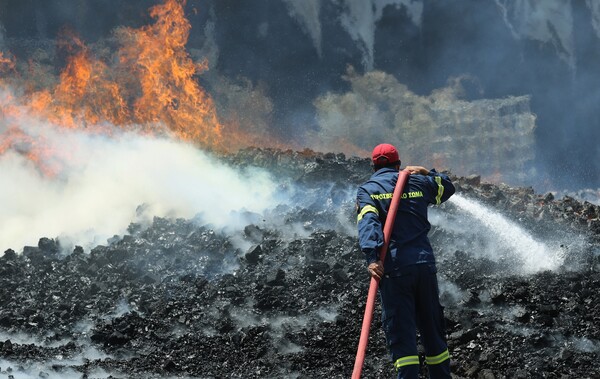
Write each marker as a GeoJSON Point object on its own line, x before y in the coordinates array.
{"type": "Point", "coordinates": [359, 19]}
{"type": "Point", "coordinates": [594, 7]}
{"type": "Point", "coordinates": [307, 13]}
{"type": "Point", "coordinates": [57, 367]}
{"type": "Point", "coordinates": [19, 370]}
{"type": "Point", "coordinates": [104, 179]}
{"type": "Point", "coordinates": [549, 21]}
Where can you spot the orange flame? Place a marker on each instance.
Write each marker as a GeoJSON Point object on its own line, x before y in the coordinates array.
{"type": "Point", "coordinates": [165, 73]}
{"type": "Point", "coordinates": [85, 96]}
{"type": "Point", "coordinates": [149, 86]}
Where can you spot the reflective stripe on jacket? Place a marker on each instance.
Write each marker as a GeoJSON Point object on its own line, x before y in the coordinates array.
{"type": "Point", "coordinates": [409, 243]}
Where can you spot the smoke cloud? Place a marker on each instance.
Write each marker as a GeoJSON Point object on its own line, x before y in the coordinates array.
{"type": "Point", "coordinates": [272, 64]}
{"type": "Point", "coordinates": [106, 182]}
{"type": "Point", "coordinates": [443, 130]}
{"type": "Point", "coordinates": [546, 51]}
{"type": "Point", "coordinates": [550, 22]}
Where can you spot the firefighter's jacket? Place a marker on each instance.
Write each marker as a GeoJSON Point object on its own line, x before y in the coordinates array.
{"type": "Point", "coordinates": [409, 243]}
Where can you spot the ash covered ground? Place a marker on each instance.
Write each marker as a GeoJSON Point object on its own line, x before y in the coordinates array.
{"type": "Point", "coordinates": [282, 294]}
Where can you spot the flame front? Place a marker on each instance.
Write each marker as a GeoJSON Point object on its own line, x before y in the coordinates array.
{"type": "Point", "coordinates": [165, 75]}
{"type": "Point", "coordinates": [147, 85]}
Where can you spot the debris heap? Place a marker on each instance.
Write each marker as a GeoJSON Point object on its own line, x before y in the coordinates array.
{"type": "Point", "coordinates": [284, 295]}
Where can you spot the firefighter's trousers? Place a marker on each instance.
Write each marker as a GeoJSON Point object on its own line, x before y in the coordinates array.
{"type": "Point", "coordinates": [410, 301]}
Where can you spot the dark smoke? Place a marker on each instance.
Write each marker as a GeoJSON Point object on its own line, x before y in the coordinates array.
{"type": "Point", "coordinates": [294, 60]}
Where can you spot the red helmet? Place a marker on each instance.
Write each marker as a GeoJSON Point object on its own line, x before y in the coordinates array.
{"type": "Point", "coordinates": [385, 155]}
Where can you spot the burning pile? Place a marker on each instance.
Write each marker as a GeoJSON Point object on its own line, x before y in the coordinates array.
{"type": "Point", "coordinates": [283, 296]}
{"type": "Point", "coordinates": [142, 80]}
{"type": "Point", "coordinates": [148, 83]}
{"type": "Point", "coordinates": [280, 291]}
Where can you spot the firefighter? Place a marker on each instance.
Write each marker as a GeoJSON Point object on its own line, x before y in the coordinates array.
{"type": "Point", "coordinates": [408, 285]}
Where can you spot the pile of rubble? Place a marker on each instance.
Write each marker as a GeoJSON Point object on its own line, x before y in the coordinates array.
{"type": "Point", "coordinates": [284, 295]}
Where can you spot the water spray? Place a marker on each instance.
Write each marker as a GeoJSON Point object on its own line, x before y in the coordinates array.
{"type": "Point", "coordinates": [535, 255]}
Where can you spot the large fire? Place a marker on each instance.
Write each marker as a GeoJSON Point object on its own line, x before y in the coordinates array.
{"type": "Point", "coordinates": [148, 84]}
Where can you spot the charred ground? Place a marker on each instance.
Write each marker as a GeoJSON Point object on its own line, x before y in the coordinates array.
{"type": "Point", "coordinates": [283, 295]}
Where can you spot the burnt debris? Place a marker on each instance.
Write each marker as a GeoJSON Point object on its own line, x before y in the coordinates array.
{"type": "Point", "coordinates": [284, 295]}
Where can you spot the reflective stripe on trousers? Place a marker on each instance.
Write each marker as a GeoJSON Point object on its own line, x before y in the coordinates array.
{"type": "Point", "coordinates": [405, 361]}
{"type": "Point", "coordinates": [414, 360]}
{"type": "Point", "coordinates": [408, 367]}
{"type": "Point", "coordinates": [436, 360]}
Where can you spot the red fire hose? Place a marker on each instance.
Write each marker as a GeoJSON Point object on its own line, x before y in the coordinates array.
{"type": "Point", "coordinates": [387, 232]}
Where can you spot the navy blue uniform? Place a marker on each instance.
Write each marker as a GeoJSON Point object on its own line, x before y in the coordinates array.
{"type": "Point", "coordinates": [408, 289]}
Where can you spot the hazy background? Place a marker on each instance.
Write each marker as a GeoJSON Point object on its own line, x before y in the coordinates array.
{"type": "Point", "coordinates": [291, 52]}
{"type": "Point", "coordinates": [512, 86]}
